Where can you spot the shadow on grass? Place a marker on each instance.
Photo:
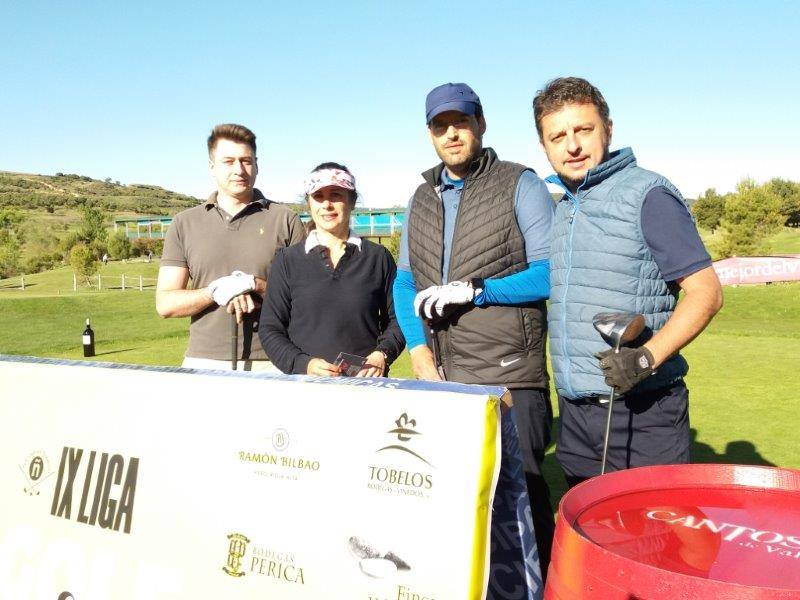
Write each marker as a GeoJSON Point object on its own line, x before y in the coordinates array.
{"type": "Point", "coordinates": [553, 474]}
{"type": "Point", "coordinates": [737, 452]}
{"type": "Point", "coordinates": [16, 286]}
{"type": "Point", "coordinates": [114, 351]}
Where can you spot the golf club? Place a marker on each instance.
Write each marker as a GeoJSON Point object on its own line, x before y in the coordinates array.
{"type": "Point", "coordinates": [234, 342]}
{"type": "Point", "coordinates": [616, 329]}
{"type": "Point", "coordinates": [436, 355]}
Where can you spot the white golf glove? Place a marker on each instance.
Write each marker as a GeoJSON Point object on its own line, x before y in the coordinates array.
{"type": "Point", "coordinates": [431, 301]}
{"type": "Point", "coordinates": [224, 289]}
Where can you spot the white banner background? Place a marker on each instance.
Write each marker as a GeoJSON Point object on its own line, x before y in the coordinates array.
{"type": "Point", "coordinates": [205, 444]}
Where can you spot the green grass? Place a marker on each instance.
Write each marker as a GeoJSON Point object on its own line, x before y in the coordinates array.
{"type": "Point", "coordinates": [744, 380]}
{"type": "Point", "coordinates": [47, 318]}
{"type": "Point", "coordinates": [786, 241]}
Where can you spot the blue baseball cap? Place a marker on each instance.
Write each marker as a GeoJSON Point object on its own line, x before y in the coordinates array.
{"type": "Point", "coordinates": [451, 96]}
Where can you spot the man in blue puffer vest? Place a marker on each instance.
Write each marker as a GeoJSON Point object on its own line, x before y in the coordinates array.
{"type": "Point", "coordinates": [623, 240]}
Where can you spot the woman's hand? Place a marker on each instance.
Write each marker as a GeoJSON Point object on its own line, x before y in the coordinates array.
{"type": "Point", "coordinates": [322, 368]}
{"type": "Point", "coordinates": [375, 365]}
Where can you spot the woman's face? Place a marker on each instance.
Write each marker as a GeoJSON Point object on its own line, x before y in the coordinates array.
{"type": "Point", "coordinates": [330, 209]}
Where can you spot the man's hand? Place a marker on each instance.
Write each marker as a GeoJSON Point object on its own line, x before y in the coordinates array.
{"type": "Point", "coordinates": [423, 364]}
{"type": "Point", "coordinates": [241, 305]}
{"type": "Point", "coordinates": [322, 368]}
{"type": "Point", "coordinates": [624, 369]}
{"type": "Point", "coordinates": [224, 289]}
{"type": "Point", "coordinates": [434, 299]}
{"type": "Point", "coordinates": [375, 365]}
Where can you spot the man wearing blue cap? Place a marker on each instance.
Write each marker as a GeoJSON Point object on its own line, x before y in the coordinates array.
{"type": "Point", "coordinates": [473, 276]}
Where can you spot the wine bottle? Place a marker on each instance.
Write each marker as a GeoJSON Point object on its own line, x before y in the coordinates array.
{"type": "Point", "coordinates": [88, 340]}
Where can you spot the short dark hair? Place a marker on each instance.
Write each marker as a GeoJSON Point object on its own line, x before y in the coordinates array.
{"type": "Point", "coordinates": [233, 132]}
{"type": "Point", "coordinates": [567, 90]}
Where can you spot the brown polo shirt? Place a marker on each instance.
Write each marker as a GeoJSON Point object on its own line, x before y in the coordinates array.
{"type": "Point", "coordinates": [212, 244]}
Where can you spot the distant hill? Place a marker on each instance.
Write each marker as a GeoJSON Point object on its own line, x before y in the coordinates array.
{"type": "Point", "coordinates": [60, 191]}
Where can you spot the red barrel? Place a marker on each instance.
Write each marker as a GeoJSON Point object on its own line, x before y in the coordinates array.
{"type": "Point", "coordinates": [679, 531]}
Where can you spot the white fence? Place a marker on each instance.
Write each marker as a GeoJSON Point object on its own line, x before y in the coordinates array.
{"type": "Point", "coordinates": [99, 282]}
{"type": "Point", "coordinates": [114, 282]}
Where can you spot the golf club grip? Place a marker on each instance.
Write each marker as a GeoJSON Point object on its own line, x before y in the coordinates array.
{"type": "Point", "coordinates": [234, 342]}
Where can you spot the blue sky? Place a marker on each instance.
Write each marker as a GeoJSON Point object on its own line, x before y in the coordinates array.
{"type": "Point", "coordinates": [705, 92]}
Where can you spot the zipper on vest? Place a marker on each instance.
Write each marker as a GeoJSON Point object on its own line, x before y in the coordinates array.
{"type": "Point", "coordinates": [455, 228]}
{"type": "Point", "coordinates": [573, 211]}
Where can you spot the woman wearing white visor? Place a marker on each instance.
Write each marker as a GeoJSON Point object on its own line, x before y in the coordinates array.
{"type": "Point", "coordinates": [333, 293]}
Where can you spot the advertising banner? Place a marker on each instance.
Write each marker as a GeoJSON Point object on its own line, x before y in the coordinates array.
{"type": "Point", "coordinates": [152, 483]}
{"type": "Point", "coordinates": [758, 269]}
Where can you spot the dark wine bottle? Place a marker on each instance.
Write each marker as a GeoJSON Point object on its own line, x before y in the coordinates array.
{"type": "Point", "coordinates": [88, 340]}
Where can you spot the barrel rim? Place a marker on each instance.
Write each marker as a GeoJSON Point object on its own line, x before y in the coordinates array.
{"type": "Point", "coordinates": [642, 479]}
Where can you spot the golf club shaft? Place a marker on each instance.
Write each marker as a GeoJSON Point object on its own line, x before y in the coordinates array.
{"type": "Point", "coordinates": [608, 431]}
{"type": "Point", "coordinates": [234, 342]}
{"type": "Point", "coordinates": [436, 357]}
{"type": "Point", "coordinates": [608, 423]}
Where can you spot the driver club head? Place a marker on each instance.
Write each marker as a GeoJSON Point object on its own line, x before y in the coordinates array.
{"type": "Point", "coordinates": [618, 328]}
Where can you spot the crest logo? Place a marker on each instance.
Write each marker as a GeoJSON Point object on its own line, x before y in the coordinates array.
{"type": "Point", "coordinates": [280, 439]}
{"type": "Point", "coordinates": [236, 551]}
{"type": "Point", "coordinates": [404, 431]}
{"type": "Point", "coordinates": [35, 470]}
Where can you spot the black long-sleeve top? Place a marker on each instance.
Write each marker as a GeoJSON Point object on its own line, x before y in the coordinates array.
{"type": "Point", "coordinates": [313, 310]}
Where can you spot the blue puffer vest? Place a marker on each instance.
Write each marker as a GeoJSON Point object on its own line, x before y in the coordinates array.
{"type": "Point", "coordinates": [600, 262]}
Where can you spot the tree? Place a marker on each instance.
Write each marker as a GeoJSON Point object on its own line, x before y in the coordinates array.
{"type": "Point", "coordinates": [393, 245]}
{"type": "Point", "coordinates": [751, 215]}
{"type": "Point", "coordinates": [92, 226]}
{"type": "Point", "coordinates": [789, 193]}
{"type": "Point", "coordinates": [11, 238]}
{"type": "Point", "coordinates": [709, 209]}
{"type": "Point", "coordinates": [43, 249]}
{"type": "Point", "coordinates": [66, 243]}
{"type": "Point", "coordinates": [83, 262]}
{"type": "Point", "coordinates": [119, 246]}
{"type": "Point", "coordinates": [98, 248]}
{"type": "Point", "coordinates": [10, 255]}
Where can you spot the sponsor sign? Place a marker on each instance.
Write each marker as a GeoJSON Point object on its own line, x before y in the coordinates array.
{"type": "Point", "coordinates": [739, 535]}
{"type": "Point", "coordinates": [133, 483]}
{"type": "Point", "coordinates": [758, 269]}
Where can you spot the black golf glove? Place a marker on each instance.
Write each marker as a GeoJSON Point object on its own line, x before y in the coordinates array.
{"type": "Point", "coordinates": [626, 368]}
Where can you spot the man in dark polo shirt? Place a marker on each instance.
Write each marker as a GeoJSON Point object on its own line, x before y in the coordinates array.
{"type": "Point", "coordinates": [225, 246]}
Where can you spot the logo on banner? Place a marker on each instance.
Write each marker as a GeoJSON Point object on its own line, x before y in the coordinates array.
{"type": "Point", "coordinates": [35, 470]}
{"type": "Point", "coordinates": [394, 478]}
{"type": "Point", "coordinates": [103, 486]}
{"type": "Point", "coordinates": [405, 431]}
{"type": "Point", "coordinates": [260, 561]}
{"type": "Point", "coordinates": [280, 439]}
{"type": "Point", "coordinates": [276, 464]}
{"type": "Point", "coordinates": [236, 551]}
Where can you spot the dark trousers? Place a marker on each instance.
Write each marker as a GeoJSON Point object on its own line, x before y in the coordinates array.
{"type": "Point", "coordinates": [649, 428]}
{"type": "Point", "coordinates": [534, 415]}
